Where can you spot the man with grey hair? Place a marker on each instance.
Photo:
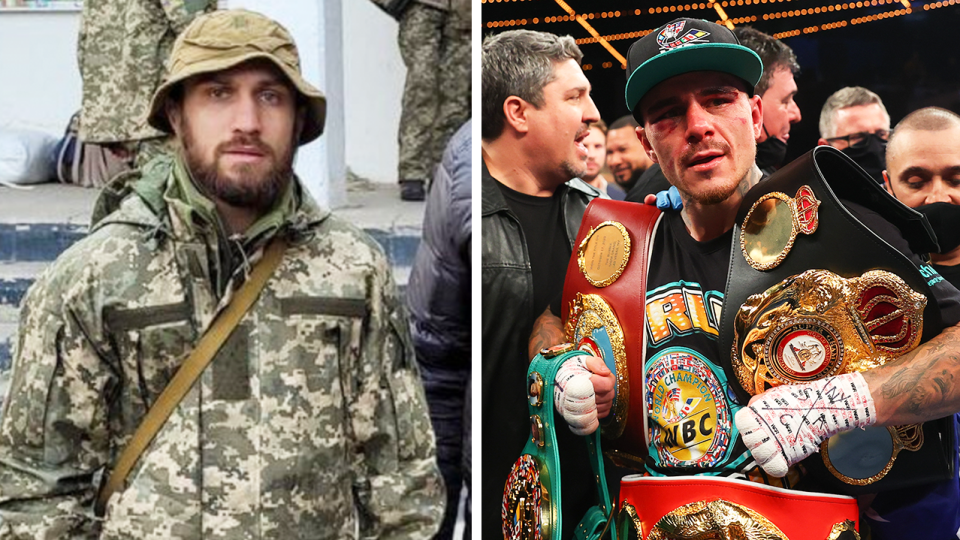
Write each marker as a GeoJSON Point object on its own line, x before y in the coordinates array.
{"type": "Point", "coordinates": [536, 114]}
{"type": "Point", "coordinates": [854, 121]}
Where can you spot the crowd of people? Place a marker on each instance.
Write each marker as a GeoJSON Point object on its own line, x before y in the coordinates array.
{"type": "Point", "coordinates": [711, 119]}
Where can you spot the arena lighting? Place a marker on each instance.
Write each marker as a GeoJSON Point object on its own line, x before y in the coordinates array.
{"type": "Point", "coordinates": [842, 24]}
{"type": "Point", "coordinates": [615, 37]}
{"type": "Point", "coordinates": [936, 5]}
{"type": "Point", "coordinates": [535, 20]}
{"type": "Point", "coordinates": [723, 16]}
{"type": "Point", "coordinates": [589, 28]}
{"type": "Point", "coordinates": [681, 10]}
{"type": "Point", "coordinates": [825, 9]}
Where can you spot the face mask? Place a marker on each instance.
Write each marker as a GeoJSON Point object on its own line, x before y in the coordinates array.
{"type": "Point", "coordinates": [871, 156]}
{"type": "Point", "coordinates": [771, 151]}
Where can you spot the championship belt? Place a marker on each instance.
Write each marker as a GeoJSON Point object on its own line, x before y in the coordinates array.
{"type": "Point", "coordinates": [603, 297]}
{"type": "Point", "coordinates": [531, 497]}
{"type": "Point", "coordinates": [812, 292]}
{"type": "Point", "coordinates": [694, 507]}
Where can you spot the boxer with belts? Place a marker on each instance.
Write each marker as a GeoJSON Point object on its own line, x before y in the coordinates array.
{"type": "Point", "coordinates": [690, 87]}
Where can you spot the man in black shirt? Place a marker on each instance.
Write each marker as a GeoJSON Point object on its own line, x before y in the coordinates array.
{"type": "Point", "coordinates": [536, 114]}
{"type": "Point", "coordinates": [923, 168]}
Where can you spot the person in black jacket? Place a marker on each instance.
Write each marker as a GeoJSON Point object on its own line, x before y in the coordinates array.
{"type": "Point", "coordinates": [536, 113]}
{"type": "Point", "coordinates": [438, 296]}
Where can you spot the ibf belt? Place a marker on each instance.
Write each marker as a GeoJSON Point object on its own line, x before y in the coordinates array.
{"type": "Point", "coordinates": [689, 507]}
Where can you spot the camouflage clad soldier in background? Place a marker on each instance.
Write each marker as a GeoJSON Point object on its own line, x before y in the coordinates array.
{"type": "Point", "coordinates": [121, 50]}
{"type": "Point", "coordinates": [434, 41]}
{"type": "Point", "coordinates": [309, 423]}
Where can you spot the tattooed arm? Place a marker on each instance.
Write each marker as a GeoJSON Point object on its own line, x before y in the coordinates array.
{"type": "Point", "coordinates": [787, 423]}
{"type": "Point", "coordinates": [547, 332]}
{"type": "Point", "coordinates": [919, 386]}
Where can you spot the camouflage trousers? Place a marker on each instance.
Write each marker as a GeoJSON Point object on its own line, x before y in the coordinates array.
{"type": "Point", "coordinates": [435, 46]}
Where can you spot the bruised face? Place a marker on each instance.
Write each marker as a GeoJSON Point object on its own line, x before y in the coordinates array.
{"type": "Point", "coordinates": [701, 128]}
{"type": "Point", "coordinates": [238, 130]}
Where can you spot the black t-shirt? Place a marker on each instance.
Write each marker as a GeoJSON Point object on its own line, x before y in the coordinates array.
{"type": "Point", "coordinates": [652, 181]}
{"type": "Point", "coordinates": [690, 406]}
{"type": "Point", "coordinates": [541, 219]}
{"type": "Point", "coordinates": [949, 273]}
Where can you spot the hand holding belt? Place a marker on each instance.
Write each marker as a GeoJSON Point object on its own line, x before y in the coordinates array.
{"type": "Point", "coordinates": [584, 393]}
{"type": "Point", "coordinates": [531, 495]}
{"type": "Point", "coordinates": [788, 423]}
{"type": "Point", "coordinates": [604, 285]}
{"type": "Point", "coordinates": [813, 293]}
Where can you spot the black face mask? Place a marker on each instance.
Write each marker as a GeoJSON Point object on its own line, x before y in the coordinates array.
{"type": "Point", "coordinates": [770, 152]}
{"type": "Point", "coordinates": [871, 155]}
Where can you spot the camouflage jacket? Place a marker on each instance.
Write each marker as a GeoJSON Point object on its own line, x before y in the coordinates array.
{"type": "Point", "coordinates": [461, 6]}
{"type": "Point", "coordinates": [309, 423]}
{"type": "Point", "coordinates": [121, 50]}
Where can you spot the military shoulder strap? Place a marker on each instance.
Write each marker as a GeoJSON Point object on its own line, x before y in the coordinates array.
{"type": "Point", "coordinates": [181, 383]}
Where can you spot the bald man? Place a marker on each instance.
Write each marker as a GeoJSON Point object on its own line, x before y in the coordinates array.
{"type": "Point", "coordinates": [923, 167]}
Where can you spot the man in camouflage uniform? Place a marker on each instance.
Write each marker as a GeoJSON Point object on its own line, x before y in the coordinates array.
{"type": "Point", "coordinates": [435, 44]}
{"type": "Point", "coordinates": [309, 423]}
{"type": "Point", "coordinates": [121, 49]}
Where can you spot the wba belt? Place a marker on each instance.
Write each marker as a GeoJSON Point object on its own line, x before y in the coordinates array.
{"type": "Point", "coordinates": [812, 292]}
{"type": "Point", "coordinates": [723, 508]}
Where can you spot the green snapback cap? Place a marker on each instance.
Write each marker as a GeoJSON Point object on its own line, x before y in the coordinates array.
{"type": "Point", "coordinates": [685, 45]}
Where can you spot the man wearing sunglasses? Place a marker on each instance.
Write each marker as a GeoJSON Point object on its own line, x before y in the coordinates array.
{"type": "Point", "coordinates": [854, 121]}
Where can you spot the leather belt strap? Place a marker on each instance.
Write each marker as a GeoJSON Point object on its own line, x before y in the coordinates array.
{"type": "Point", "coordinates": [191, 368]}
{"type": "Point", "coordinates": [797, 514]}
{"type": "Point", "coordinates": [626, 296]}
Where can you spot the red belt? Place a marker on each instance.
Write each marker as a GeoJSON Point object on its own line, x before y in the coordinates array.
{"type": "Point", "coordinates": [798, 515]}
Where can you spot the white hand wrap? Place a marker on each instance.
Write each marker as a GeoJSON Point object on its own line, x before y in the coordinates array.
{"type": "Point", "coordinates": [574, 397]}
{"type": "Point", "coordinates": [788, 423]}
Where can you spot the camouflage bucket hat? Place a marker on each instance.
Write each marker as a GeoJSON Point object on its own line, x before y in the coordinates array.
{"type": "Point", "coordinates": [223, 39]}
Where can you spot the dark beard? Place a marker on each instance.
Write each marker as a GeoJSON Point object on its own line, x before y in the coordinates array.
{"type": "Point", "coordinates": [573, 170]}
{"type": "Point", "coordinates": [254, 193]}
{"type": "Point", "coordinates": [635, 175]}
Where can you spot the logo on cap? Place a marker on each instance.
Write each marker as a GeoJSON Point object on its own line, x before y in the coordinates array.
{"type": "Point", "coordinates": [669, 38]}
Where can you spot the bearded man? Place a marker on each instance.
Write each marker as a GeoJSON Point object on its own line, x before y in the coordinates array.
{"type": "Point", "coordinates": [310, 419]}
